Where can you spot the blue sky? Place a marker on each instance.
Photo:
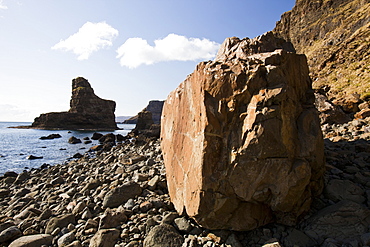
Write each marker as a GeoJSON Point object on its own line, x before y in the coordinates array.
{"type": "Point", "coordinates": [130, 51]}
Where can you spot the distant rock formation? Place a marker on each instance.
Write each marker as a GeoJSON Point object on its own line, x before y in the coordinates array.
{"type": "Point", "coordinates": [155, 107]}
{"type": "Point", "coordinates": [241, 138]}
{"type": "Point", "coordinates": [87, 111]}
{"type": "Point", "coordinates": [148, 120]}
{"type": "Point", "coordinates": [335, 37]}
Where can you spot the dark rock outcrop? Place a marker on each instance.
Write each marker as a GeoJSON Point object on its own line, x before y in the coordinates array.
{"type": "Point", "coordinates": [155, 107]}
{"type": "Point", "coordinates": [148, 121]}
{"type": "Point", "coordinates": [87, 111]}
{"type": "Point", "coordinates": [241, 138]}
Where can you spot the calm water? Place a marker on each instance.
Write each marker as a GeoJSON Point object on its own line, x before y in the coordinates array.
{"type": "Point", "coordinates": [17, 144]}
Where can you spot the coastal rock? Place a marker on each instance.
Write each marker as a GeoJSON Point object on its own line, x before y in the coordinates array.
{"type": "Point", "coordinates": [66, 239]}
{"type": "Point", "coordinates": [344, 220]}
{"type": "Point", "coordinates": [144, 120]}
{"type": "Point", "coordinates": [74, 140]}
{"type": "Point", "coordinates": [87, 111]}
{"type": "Point", "coordinates": [33, 157]}
{"type": "Point", "coordinates": [50, 137]}
{"type": "Point", "coordinates": [329, 112]}
{"type": "Point", "coordinates": [338, 190]}
{"type": "Point", "coordinates": [10, 234]}
{"type": "Point", "coordinates": [96, 136]}
{"type": "Point", "coordinates": [163, 235]}
{"type": "Point", "coordinates": [60, 222]}
{"type": "Point", "coordinates": [104, 238]}
{"type": "Point", "coordinates": [33, 241]}
{"type": "Point", "coordinates": [241, 138]}
{"type": "Point", "coordinates": [154, 107]}
{"type": "Point", "coordinates": [121, 194]}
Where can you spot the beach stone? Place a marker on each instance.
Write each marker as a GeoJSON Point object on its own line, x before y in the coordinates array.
{"type": "Point", "coordinates": [86, 214]}
{"type": "Point", "coordinates": [152, 184]}
{"type": "Point", "coordinates": [338, 190]}
{"type": "Point", "coordinates": [341, 221]}
{"type": "Point", "coordinates": [233, 241]}
{"type": "Point", "coordinates": [6, 225]}
{"type": "Point", "coordinates": [91, 223]}
{"type": "Point", "coordinates": [66, 239]}
{"type": "Point", "coordinates": [105, 238]}
{"type": "Point", "coordinates": [74, 140]}
{"type": "Point", "coordinates": [59, 222]}
{"type": "Point", "coordinates": [45, 214]}
{"type": "Point", "coordinates": [273, 244]}
{"type": "Point", "coordinates": [79, 207]}
{"type": "Point", "coordinates": [22, 192]}
{"type": "Point", "coordinates": [33, 241]}
{"type": "Point", "coordinates": [10, 174]}
{"type": "Point", "coordinates": [92, 184]}
{"type": "Point", "coordinates": [96, 136]}
{"type": "Point", "coordinates": [121, 194]}
{"type": "Point", "coordinates": [112, 218]}
{"type": "Point", "coordinates": [163, 235]}
{"type": "Point", "coordinates": [241, 138]}
{"type": "Point", "coordinates": [183, 225]}
{"type": "Point", "coordinates": [9, 180]}
{"type": "Point", "coordinates": [58, 180]}
{"type": "Point", "coordinates": [10, 234]}
{"type": "Point", "coordinates": [299, 238]}
{"type": "Point", "coordinates": [75, 243]}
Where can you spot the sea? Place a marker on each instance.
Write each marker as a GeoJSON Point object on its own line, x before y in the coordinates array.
{"type": "Point", "coordinates": [17, 144]}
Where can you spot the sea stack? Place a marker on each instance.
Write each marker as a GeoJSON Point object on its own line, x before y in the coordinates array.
{"type": "Point", "coordinates": [87, 111]}
{"type": "Point", "coordinates": [241, 138]}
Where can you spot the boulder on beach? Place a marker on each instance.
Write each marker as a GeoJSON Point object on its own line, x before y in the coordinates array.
{"type": "Point", "coordinates": [241, 138]}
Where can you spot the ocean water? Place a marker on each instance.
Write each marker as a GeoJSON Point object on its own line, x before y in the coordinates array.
{"type": "Point", "coordinates": [17, 144]}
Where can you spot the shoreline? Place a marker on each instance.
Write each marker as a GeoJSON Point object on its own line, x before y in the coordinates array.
{"type": "Point", "coordinates": [47, 128]}
{"type": "Point", "coordinates": [121, 196]}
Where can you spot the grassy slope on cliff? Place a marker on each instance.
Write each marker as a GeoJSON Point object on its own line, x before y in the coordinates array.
{"type": "Point", "coordinates": [335, 36]}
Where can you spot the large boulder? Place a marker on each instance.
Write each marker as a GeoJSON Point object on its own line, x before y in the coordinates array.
{"type": "Point", "coordinates": [241, 138]}
{"type": "Point", "coordinates": [87, 111]}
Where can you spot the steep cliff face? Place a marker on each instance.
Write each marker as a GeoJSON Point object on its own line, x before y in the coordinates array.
{"type": "Point", "coordinates": [87, 111]}
{"type": "Point", "coordinates": [335, 36]}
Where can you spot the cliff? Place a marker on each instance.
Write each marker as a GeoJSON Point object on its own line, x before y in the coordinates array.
{"type": "Point", "coordinates": [155, 107]}
{"type": "Point", "coordinates": [87, 111]}
{"type": "Point", "coordinates": [335, 37]}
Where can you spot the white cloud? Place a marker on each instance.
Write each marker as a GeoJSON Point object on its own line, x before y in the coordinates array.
{"type": "Point", "coordinates": [90, 38]}
{"type": "Point", "coordinates": [2, 5]}
{"type": "Point", "coordinates": [136, 51]}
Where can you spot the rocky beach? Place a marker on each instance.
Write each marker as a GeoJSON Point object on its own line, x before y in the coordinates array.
{"type": "Point", "coordinates": [263, 146]}
{"type": "Point", "coordinates": [120, 198]}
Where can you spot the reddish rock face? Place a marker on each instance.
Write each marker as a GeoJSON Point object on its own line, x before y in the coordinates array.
{"type": "Point", "coordinates": [241, 139]}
